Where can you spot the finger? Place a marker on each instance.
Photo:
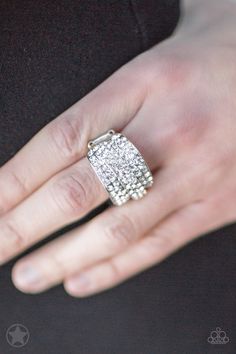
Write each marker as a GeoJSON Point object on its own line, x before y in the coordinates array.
{"type": "Point", "coordinates": [62, 200]}
{"type": "Point", "coordinates": [64, 141]}
{"type": "Point", "coordinates": [104, 236]}
{"type": "Point", "coordinates": [166, 238]}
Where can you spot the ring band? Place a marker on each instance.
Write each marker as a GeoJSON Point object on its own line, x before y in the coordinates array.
{"type": "Point", "coordinates": [120, 167]}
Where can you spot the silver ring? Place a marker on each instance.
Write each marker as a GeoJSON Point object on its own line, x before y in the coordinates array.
{"type": "Point", "coordinates": [120, 167]}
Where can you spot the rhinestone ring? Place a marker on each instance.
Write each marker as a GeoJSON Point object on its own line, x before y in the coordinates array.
{"type": "Point", "coordinates": [119, 166]}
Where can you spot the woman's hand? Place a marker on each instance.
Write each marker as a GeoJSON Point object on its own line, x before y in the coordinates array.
{"type": "Point", "coordinates": [176, 103]}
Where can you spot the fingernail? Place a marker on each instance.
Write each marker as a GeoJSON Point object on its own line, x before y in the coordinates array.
{"type": "Point", "coordinates": [27, 276]}
{"type": "Point", "coordinates": [78, 283]}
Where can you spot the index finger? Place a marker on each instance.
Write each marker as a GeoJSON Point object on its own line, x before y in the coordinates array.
{"type": "Point", "coordinates": [64, 141]}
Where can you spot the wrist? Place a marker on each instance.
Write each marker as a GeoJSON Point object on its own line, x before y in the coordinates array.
{"type": "Point", "coordinates": [204, 4]}
{"type": "Point", "coordinates": [218, 14]}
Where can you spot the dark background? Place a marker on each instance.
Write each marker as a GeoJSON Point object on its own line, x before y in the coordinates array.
{"type": "Point", "coordinates": [51, 54]}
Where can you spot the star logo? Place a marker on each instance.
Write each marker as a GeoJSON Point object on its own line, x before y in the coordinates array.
{"type": "Point", "coordinates": [17, 335]}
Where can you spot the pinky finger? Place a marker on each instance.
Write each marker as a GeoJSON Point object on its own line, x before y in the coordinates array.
{"type": "Point", "coordinates": [168, 236]}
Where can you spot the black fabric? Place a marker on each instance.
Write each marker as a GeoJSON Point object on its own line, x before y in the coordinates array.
{"type": "Point", "coordinates": [52, 54]}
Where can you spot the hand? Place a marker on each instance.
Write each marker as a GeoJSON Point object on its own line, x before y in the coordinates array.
{"type": "Point", "coordinates": [176, 103]}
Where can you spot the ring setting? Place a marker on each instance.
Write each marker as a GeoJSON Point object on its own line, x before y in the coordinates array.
{"type": "Point", "coordinates": [120, 167]}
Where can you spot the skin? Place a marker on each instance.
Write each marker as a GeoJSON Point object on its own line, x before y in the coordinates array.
{"type": "Point", "coordinates": [176, 103]}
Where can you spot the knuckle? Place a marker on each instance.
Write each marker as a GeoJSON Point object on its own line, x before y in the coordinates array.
{"type": "Point", "coordinates": [17, 188]}
{"type": "Point", "coordinates": [116, 271]}
{"type": "Point", "coordinates": [68, 136]}
{"type": "Point", "coordinates": [188, 117]}
{"type": "Point", "coordinates": [176, 132]}
{"type": "Point", "coordinates": [13, 235]}
{"type": "Point", "coordinates": [17, 182]}
{"type": "Point", "coordinates": [216, 165]}
{"type": "Point", "coordinates": [158, 243]}
{"type": "Point", "coordinates": [72, 193]}
{"type": "Point", "coordinates": [119, 231]}
{"type": "Point", "coordinates": [187, 127]}
{"type": "Point", "coordinates": [175, 68]}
